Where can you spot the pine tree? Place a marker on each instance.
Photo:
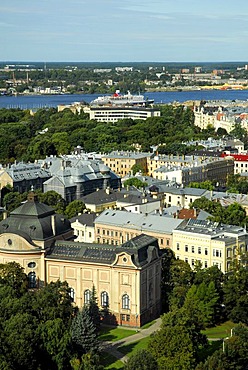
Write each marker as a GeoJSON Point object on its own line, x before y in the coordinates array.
{"type": "Point", "coordinates": [83, 333]}
{"type": "Point", "coordinates": [94, 309]}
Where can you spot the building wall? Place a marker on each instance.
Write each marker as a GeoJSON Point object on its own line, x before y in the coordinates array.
{"type": "Point", "coordinates": [116, 235]}
{"type": "Point", "coordinates": [122, 164]}
{"type": "Point", "coordinates": [141, 285]}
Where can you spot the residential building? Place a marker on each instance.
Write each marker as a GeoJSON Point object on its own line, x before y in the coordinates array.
{"type": "Point", "coordinates": [121, 162]}
{"type": "Point", "coordinates": [240, 162]}
{"type": "Point", "coordinates": [186, 169]}
{"type": "Point", "coordinates": [115, 113]}
{"type": "Point", "coordinates": [115, 227]}
{"type": "Point", "coordinates": [83, 227]}
{"type": "Point", "coordinates": [126, 278]}
{"type": "Point", "coordinates": [209, 243]}
{"type": "Point", "coordinates": [23, 176]}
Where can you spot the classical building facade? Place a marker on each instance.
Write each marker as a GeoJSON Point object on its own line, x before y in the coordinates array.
{"type": "Point", "coordinates": [126, 277]}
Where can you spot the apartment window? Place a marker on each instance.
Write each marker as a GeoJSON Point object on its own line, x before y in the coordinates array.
{"type": "Point", "coordinates": [90, 234]}
{"type": "Point", "coordinates": [32, 280]}
{"type": "Point", "coordinates": [214, 252]}
{"type": "Point", "coordinates": [107, 232]}
{"type": "Point", "coordinates": [217, 253]}
{"type": "Point", "coordinates": [178, 247]}
{"type": "Point", "coordinates": [193, 249]}
{"type": "Point", "coordinates": [192, 262]}
{"type": "Point", "coordinates": [128, 318]}
{"type": "Point", "coordinates": [199, 250]}
{"type": "Point", "coordinates": [167, 242]}
{"type": "Point", "coordinates": [98, 231]}
{"type": "Point", "coordinates": [161, 241]}
{"type": "Point", "coordinates": [206, 264]}
{"type": "Point", "coordinates": [186, 248]}
{"type": "Point", "coordinates": [206, 251]}
{"type": "Point", "coordinates": [103, 232]}
{"type": "Point", "coordinates": [186, 260]}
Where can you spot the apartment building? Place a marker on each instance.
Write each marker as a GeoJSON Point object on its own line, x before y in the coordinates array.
{"type": "Point", "coordinates": [210, 243]}
{"type": "Point", "coordinates": [186, 169]}
{"type": "Point", "coordinates": [115, 227]}
{"type": "Point", "coordinates": [121, 162]}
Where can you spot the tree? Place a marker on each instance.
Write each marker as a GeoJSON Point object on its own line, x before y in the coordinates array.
{"type": "Point", "coordinates": [138, 168]}
{"type": "Point", "coordinates": [172, 347]}
{"type": "Point", "coordinates": [134, 181]}
{"type": "Point", "coordinates": [235, 294]}
{"type": "Point", "coordinates": [142, 359]}
{"type": "Point", "coordinates": [94, 309]}
{"type": "Point", "coordinates": [13, 276]}
{"type": "Point", "coordinates": [74, 208]}
{"type": "Point", "coordinates": [54, 338]}
{"type": "Point", "coordinates": [53, 199]}
{"type": "Point", "coordinates": [83, 333]}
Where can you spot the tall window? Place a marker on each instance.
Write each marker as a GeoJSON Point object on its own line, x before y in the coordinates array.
{"type": "Point", "coordinates": [125, 301]}
{"type": "Point", "coordinates": [87, 296]}
{"type": "Point", "coordinates": [32, 279]}
{"type": "Point", "coordinates": [104, 299]}
{"type": "Point", "coordinates": [72, 294]}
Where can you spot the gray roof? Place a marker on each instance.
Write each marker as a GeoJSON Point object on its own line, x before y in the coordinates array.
{"type": "Point", "coordinates": [143, 222]}
{"type": "Point", "coordinates": [26, 171]}
{"type": "Point", "coordinates": [85, 219]}
{"type": "Point", "coordinates": [213, 229]}
{"type": "Point", "coordinates": [35, 220]}
{"type": "Point", "coordinates": [140, 248]}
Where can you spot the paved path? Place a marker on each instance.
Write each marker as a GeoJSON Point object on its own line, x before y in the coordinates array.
{"type": "Point", "coordinates": [112, 347]}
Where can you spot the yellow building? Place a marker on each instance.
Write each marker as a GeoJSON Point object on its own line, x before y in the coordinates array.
{"type": "Point", "coordinates": [209, 242]}
{"type": "Point", "coordinates": [127, 278]}
{"type": "Point", "coordinates": [122, 162]}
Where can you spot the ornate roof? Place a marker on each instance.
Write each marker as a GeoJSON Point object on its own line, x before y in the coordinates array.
{"type": "Point", "coordinates": [35, 220]}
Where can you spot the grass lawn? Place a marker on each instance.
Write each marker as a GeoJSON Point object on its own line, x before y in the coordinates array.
{"type": "Point", "coordinates": [220, 331]}
{"type": "Point", "coordinates": [131, 348]}
{"type": "Point", "coordinates": [110, 362]}
{"type": "Point", "coordinates": [114, 334]}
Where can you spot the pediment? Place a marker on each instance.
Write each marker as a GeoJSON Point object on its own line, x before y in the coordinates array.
{"type": "Point", "coordinates": [14, 242]}
{"type": "Point", "coordinates": [124, 260]}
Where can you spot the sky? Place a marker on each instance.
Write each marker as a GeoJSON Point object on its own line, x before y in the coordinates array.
{"type": "Point", "coordinates": [126, 30]}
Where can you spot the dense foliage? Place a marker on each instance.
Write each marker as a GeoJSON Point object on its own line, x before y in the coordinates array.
{"type": "Point", "coordinates": [40, 329]}
{"type": "Point", "coordinates": [22, 136]}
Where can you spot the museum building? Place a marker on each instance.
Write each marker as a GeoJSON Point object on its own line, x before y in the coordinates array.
{"type": "Point", "coordinates": [126, 277]}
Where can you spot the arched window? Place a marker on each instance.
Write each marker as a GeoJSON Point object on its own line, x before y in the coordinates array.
{"type": "Point", "coordinates": [72, 294]}
{"type": "Point", "coordinates": [125, 301]}
{"type": "Point", "coordinates": [104, 299]}
{"type": "Point", "coordinates": [32, 279]}
{"type": "Point", "coordinates": [87, 296]}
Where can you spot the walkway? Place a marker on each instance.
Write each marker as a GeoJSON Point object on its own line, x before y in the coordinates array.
{"type": "Point", "coordinates": [112, 347]}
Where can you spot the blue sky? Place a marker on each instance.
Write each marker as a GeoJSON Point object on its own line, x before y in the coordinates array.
{"type": "Point", "coordinates": [126, 30]}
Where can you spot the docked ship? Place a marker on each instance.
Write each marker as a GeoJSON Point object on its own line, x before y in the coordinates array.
{"type": "Point", "coordinates": [118, 99]}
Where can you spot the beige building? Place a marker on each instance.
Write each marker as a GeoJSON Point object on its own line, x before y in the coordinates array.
{"type": "Point", "coordinates": [115, 227]}
{"type": "Point", "coordinates": [127, 278]}
{"type": "Point", "coordinates": [122, 162]}
{"type": "Point", "coordinates": [209, 242]}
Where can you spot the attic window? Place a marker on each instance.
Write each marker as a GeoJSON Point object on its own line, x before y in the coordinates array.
{"type": "Point", "coordinates": [112, 214]}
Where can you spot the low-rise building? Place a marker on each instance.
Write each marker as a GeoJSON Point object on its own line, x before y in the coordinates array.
{"type": "Point", "coordinates": [209, 243]}
{"type": "Point", "coordinates": [115, 227]}
{"type": "Point", "coordinates": [121, 162]}
{"type": "Point", "coordinates": [115, 113]}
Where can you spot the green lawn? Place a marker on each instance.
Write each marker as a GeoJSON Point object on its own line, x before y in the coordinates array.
{"type": "Point", "coordinates": [110, 362]}
{"type": "Point", "coordinates": [131, 348]}
{"type": "Point", "coordinates": [114, 334]}
{"type": "Point", "coordinates": [220, 331]}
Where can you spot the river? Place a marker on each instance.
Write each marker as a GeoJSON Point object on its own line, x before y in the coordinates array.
{"type": "Point", "coordinates": [41, 101]}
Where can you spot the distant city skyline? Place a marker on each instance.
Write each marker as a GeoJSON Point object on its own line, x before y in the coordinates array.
{"type": "Point", "coordinates": [127, 30]}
